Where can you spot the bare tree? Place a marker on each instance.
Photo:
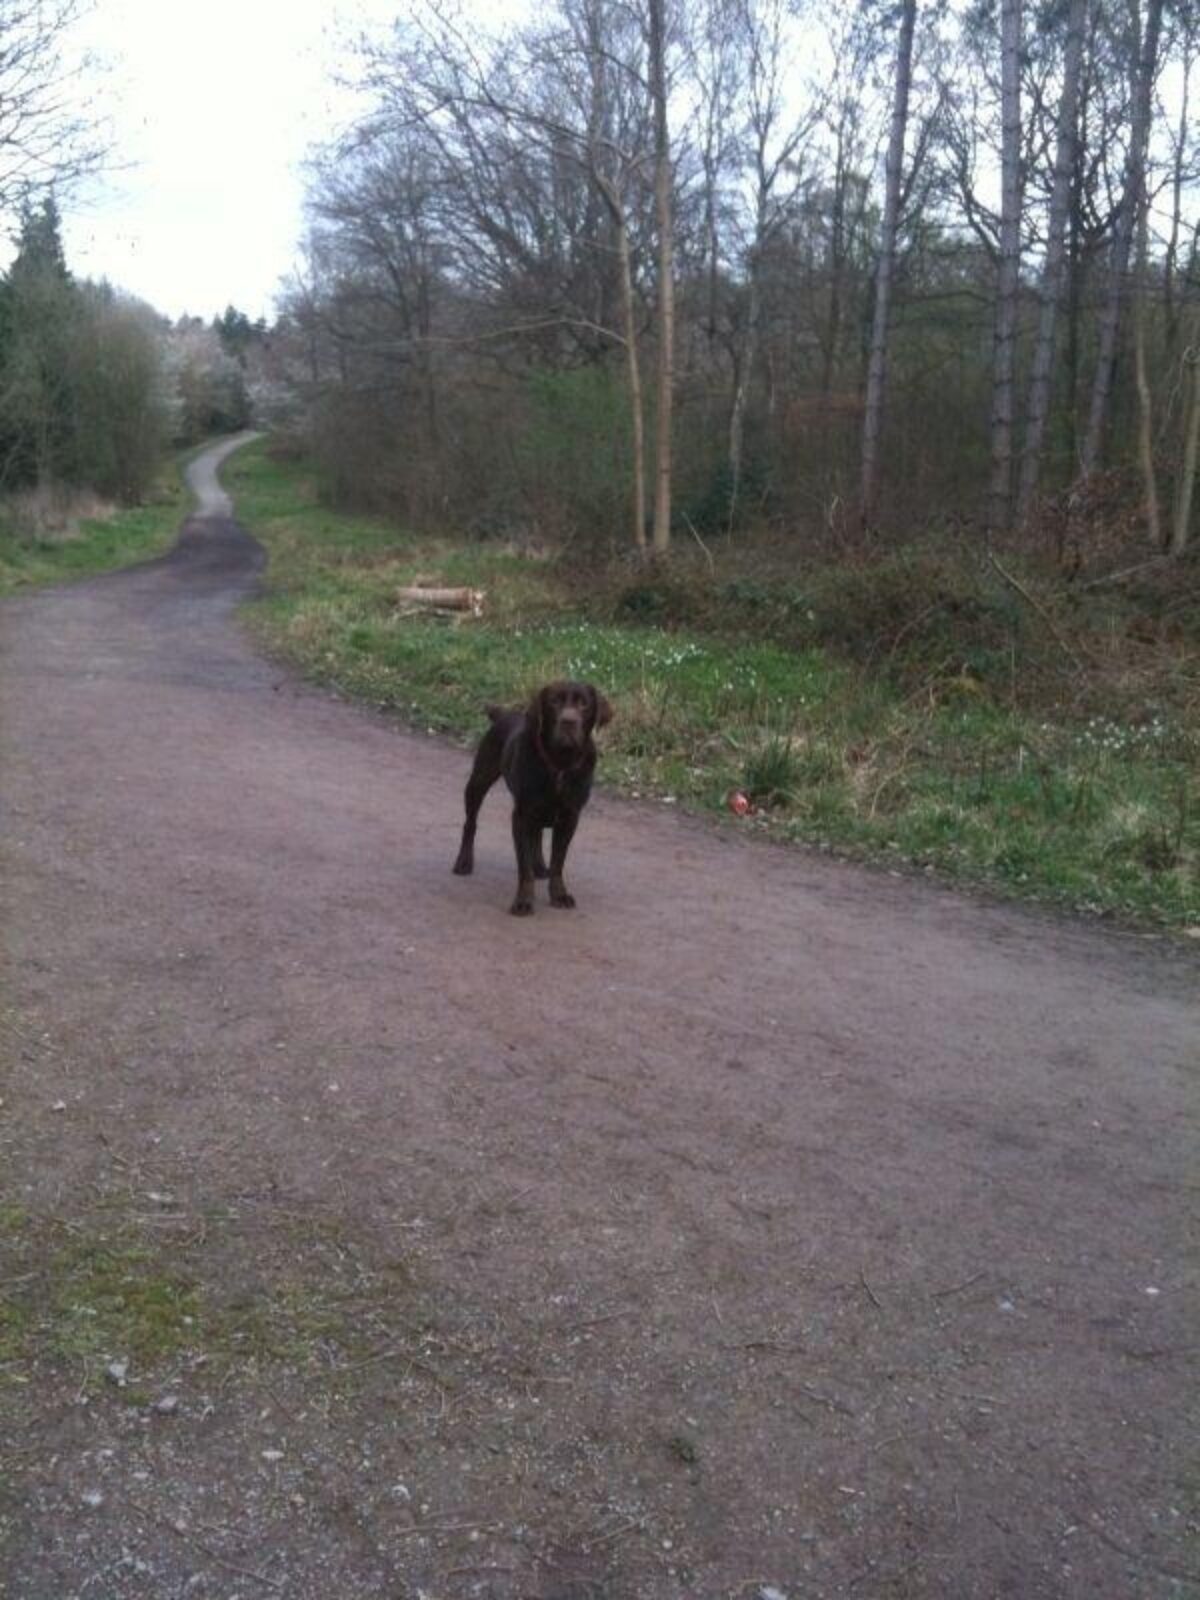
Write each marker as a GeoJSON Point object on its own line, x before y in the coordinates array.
{"type": "Point", "coordinates": [1008, 282]}
{"type": "Point", "coordinates": [50, 135]}
{"type": "Point", "coordinates": [1142, 380]}
{"type": "Point", "coordinates": [775, 144]}
{"type": "Point", "coordinates": [664, 217]}
{"type": "Point", "coordinates": [612, 166]}
{"type": "Point", "coordinates": [1187, 34]}
{"type": "Point", "coordinates": [1051, 286]}
{"type": "Point", "coordinates": [894, 173]}
{"type": "Point", "coordinates": [1132, 200]}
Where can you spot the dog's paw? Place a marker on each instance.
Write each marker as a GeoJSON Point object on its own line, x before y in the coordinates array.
{"type": "Point", "coordinates": [563, 900]}
{"type": "Point", "coordinates": [522, 908]}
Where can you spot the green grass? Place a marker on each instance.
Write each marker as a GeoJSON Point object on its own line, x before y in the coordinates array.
{"type": "Point", "coordinates": [1087, 811]}
{"type": "Point", "coordinates": [130, 534]}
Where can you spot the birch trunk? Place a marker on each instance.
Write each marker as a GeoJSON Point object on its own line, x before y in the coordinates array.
{"type": "Point", "coordinates": [634, 371]}
{"type": "Point", "coordinates": [1008, 282]}
{"type": "Point", "coordinates": [666, 283]}
{"type": "Point", "coordinates": [1131, 204]}
{"type": "Point", "coordinates": [614, 200]}
{"type": "Point", "coordinates": [1038, 407]}
{"type": "Point", "coordinates": [1145, 406]}
{"type": "Point", "coordinates": [877, 367]}
{"type": "Point", "coordinates": [1177, 181]}
{"type": "Point", "coordinates": [737, 416]}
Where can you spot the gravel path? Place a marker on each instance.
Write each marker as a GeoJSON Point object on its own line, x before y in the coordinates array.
{"type": "Point", "coordinates": [765, 1224]}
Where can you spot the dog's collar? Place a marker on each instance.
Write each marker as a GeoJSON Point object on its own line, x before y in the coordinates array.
{"type": "Point", "coordinates": [559, 774]}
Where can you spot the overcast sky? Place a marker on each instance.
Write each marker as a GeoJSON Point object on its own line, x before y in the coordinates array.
{"type": "Point", "coordinates": [212, 107]}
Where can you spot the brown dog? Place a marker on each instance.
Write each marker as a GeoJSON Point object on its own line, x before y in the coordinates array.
{"type": "Point", "coordinates": [547, 758]}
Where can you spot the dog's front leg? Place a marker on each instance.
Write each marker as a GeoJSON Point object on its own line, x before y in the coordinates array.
{"type": "Point", "coordinates": [564, 832]}
{"type": "Point", "coordinates": [525, 843]}
{"type": "Point", "coordinates": [540, 869]}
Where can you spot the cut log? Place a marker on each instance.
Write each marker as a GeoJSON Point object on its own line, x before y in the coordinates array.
{"type": "Point", "coordinates": [442, 599]}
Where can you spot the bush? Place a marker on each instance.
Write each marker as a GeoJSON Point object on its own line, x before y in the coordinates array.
{"type": "Point", "coordinates": [920, 612]}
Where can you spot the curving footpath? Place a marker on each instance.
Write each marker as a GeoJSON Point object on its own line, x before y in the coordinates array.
{"type": "Point", "coordinates": [767, 1224]}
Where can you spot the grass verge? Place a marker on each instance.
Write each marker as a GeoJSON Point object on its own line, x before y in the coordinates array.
{"type": "Point", "coordinates": [89, 544]}
{"type": "Point", "coordinates": [1087, 809]}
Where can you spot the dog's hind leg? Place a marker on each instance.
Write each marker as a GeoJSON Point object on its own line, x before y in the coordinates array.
{"type": "Point", "coordinates": [483, 775]}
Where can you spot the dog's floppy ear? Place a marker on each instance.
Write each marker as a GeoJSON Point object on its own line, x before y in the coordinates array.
{"type": "Point", "coordinates": [603, 712]}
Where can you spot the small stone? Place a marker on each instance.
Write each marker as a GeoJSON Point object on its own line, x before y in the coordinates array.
{"type": "Point", "coordinates": [117, 1372]}
{"type": "Point", "coordinates": [167, 1406]}
{"type": "Point", "coordinates": [92, 1499]}
{"type": "Point", "coordinates": [1152, 1291]}
{"type": "Point", "coordinates": [59, 1105]}
{"type": "Point", "coordinates": [272, 1455]}
{"type": "Point", "coordinates": [770, 1592]}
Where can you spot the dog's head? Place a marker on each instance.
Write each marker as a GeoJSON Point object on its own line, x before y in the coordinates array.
{"type": "Point", "coordinates": [566, 714]}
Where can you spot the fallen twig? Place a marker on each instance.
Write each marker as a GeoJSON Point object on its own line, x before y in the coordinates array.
{"type": "Point", "coordinates": [618, 1532]}
{"type": "Point", "coordinates": [956, 1288]}
{"type": "Point", "coordinates": [828, 1401]}
{"type": "Point", "coordinates": [445, 1527]}
{"type": "Point", "coordinates": [590, 1322]}
{"type": "Point", "coordinates": [399, 1352]}
{"type": "Point", "coordinates": [1057, 634]}
{"type": "Point", "coordinates": [214, 1556]}
{"type": "Point", "coordinates": [1125, 572]}
{"type": "Point", "coordinates": [769, 1347]}
{"type": "Point", "coordinates": [707, 553]}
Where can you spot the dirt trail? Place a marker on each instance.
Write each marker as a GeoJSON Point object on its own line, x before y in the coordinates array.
{"type": "Point", "coordinates": [764, 1223]}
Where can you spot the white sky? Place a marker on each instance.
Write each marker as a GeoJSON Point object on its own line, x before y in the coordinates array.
{"type": "Point", "coordinates": [213, 107]}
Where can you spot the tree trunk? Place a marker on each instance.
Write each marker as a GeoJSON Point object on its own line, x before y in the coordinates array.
{"type": "Point", "coordinates": [1131, 204]}
{"type": "Point", "coordinates": [1184, 494]}
{"type": "Point", "coordinates": [1008, 282]}
{"type": "Point", "coordinates": [634, 370]}
{"type": "Point", "coordinates": [616, 207]}
{"type": "Point", "coordinates": [877, 367]}
{"type": "Point", "coordinates": [837, 255]}
{"type": "Point", "coordinates": [1145, 417]}
{"type": "Point", "coordinates": [1170, 265]}
{"type": "Point", "coordinates": [1038, 407]}
{"type": "Point", "coordinates": [747, 358]}
{"type": "Point", "coordinates": [666, 282]}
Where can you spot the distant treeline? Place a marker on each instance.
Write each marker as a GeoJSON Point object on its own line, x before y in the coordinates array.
{"type": "Point", "coordinates": [687, 265]}
{"type": "Point", "coordinates": [95, 385]}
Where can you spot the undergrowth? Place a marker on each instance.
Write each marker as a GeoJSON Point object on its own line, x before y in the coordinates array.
{"type": "Point", "coordinates": [77, 538]}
